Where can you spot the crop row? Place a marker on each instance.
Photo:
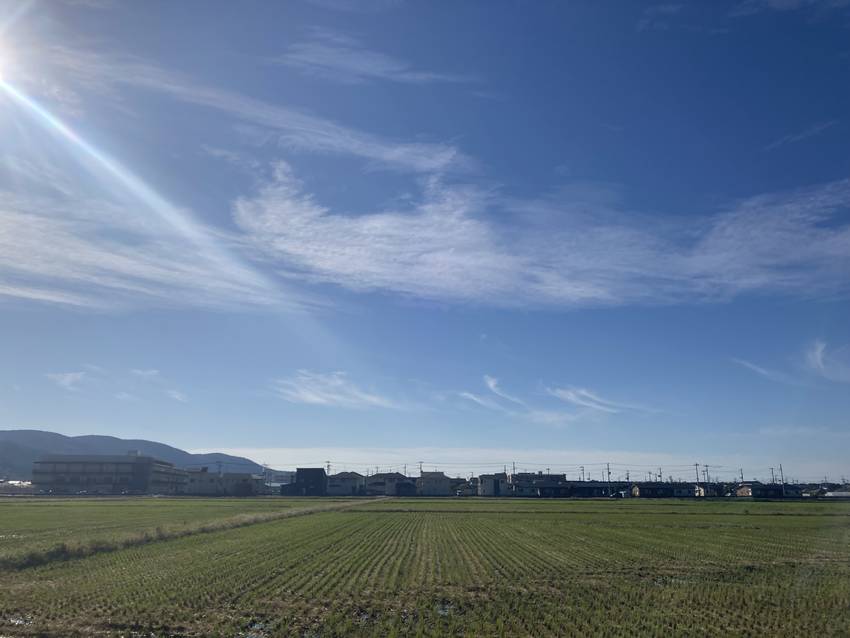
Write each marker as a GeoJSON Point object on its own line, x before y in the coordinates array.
{"type": "Point", "coordinates": [33, 531]}
{"type": "Point", "coordinates": [361, 572]}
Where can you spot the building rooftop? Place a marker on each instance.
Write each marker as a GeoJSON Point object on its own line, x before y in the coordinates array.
{"type": "Point", "coordinates": [346, 475]}
{"type": "Point", "coordinates": [100, 458]}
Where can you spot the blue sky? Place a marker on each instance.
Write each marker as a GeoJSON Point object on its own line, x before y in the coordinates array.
{"type": "Point", "coordinates": [559, 234]}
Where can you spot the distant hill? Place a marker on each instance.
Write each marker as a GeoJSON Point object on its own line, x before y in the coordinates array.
{"type": "Point", "coordinates": [19, 448]}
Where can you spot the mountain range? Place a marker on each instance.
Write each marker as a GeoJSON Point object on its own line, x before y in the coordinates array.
{"type": "Point", "coordinates": [19, 448]}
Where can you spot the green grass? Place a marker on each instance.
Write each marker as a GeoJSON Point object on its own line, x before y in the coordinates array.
{"type": "Point", "coordinates": [38, 526]}
{"type": "Point", "coordinates": [462, 567]}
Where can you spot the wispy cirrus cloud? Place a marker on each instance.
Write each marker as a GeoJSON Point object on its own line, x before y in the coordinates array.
{"type": "Point", "coordinates": [332, 389]}
{"type": "Point", "coordinates": [449, 246]}
{"type": "Point", "coordinates": [67, 380]}
{"type": "Point", "coordinates": [768, 373]}
{"type": "Point", "coordinates": [753, 7]}
{"type": "Point", "coordinates": [833, 365]}
{"type": "Point", "coordinates": [455, 241]}
{"type": "Point", "coordinates": [493, 384]}
{"type": "Point", "coordinates": [294, 128]}
{"type": "Point", "coordinates": [49, 252]}
{"type": "Point", "coordinates": [812, 131]}
{"type": "Point", "coordinates": [176, 395]}
{"type": "Point", "coordinates": [584, 398]}
{"type": "Point", "coordinates": [656, 17]}
{"type": "Point", "coordinates": [517, 408]}
{"type": "Point", "coordinates": [344, 59]}
{"type": "Point", "coordinates": [484, 402]}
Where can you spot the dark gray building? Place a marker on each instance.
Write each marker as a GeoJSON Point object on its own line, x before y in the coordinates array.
{"type": "Point", "coordinates": [107, 474]}
{"type": "Point", "coordinates": [205, 483]}
{"type": "Point", "coordinates": [309, 481]}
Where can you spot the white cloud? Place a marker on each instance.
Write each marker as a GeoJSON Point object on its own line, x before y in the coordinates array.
{"type": "Point", "coordinates": [493, 384]}
{"type": "Point", "coordinates": [655, 17]}
{"type": "Point", "coordinates": [812, 131]}
{"type": "Point", "coordinates": [773, 375]}
{"type": "Point", "coordinates": [752, 7]}
{"type": "Point", "coordinates": [49, 256]}
{"type": "Point", "coordinates": [344, 59]}
{"type": "Point", "coordinates": [67, 380]}
{"type": "Point", "coordinates": [484, 402]}
{"type": "Point", "coordinates": [454, 242]}
{"type": "Point", "coordinates": [523, 410]}
{"type": "Point", "coordinates": [177, 396]}
{"type": "Point", "coordinates": [832, 365]}
{"type": "Point", "coordinates": [126, 396]}
{"type": "Point", "coordinates": [586, 399]}
{"type": "Point", "coordinates": [104, 75]}
{"type": "Point", "coordinates": [332, 389]}
{"type": "Point", "coordinates": [451, 246]}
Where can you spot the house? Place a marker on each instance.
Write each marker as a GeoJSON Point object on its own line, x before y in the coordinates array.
{"type": "Point", "coordinates": [309, 481]}
{"type": "Point", "coordinates": [107, 474]}
{"type": "Point", "coordinates": [493, 485]}
{"type": "Point", "coordinates": [16, 487]}
{"type": "Point", "coordinates": [433, 484]}
{"type": "Point", "coordinates": [464, 487]}
{"type": "Point", "coordinates": [346, 484]}
{"type": "Point", "coordinates": [593, 489]}
{"type": "Point", "coordinates": [659, 489]}
{"type": "Point", "coordinates": [538, 484]}
{"type": "Point", "coordinates": [390, 484]}
{"type": "Point", "coordinates": [756, 489]}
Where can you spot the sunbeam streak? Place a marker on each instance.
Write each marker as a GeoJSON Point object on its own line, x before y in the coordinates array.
{"type": "Point", "coordinates": [175, 218]}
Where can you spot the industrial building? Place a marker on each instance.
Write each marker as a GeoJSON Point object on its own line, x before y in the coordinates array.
{"type": "Point", "coordinates": [202, 482]}
{"type": "Point", "coordinates": [107, 474]}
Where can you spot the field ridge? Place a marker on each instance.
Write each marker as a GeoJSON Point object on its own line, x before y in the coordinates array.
{"type": "Point", "coordinates": [75, 550]}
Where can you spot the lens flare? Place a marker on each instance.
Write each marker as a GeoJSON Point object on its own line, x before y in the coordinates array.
{"type": "Point", "coordinates": [176, 218]}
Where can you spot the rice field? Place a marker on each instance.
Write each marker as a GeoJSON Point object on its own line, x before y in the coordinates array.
{"type": "Point", "coordinates": [452, 567]}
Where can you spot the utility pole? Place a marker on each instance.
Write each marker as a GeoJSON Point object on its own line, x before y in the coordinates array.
{"type": "Point", "coordinates": [328, 463]}
{"type": "Point", "coordinates": [660, 476]}
{"type": "Point", "coordinates": [782, 478]}
{"type": "Point", "coordinates": [405, 469]}
{"type": "Point", "coordinates": [772, 476]}
{"type": "Point", "coordinates": [627, 477]}
{"type": "Point", "coordinates": [742, 474]}
{"type": "Point", "coordinates": [608, 467]}
{"type": "Point", "coordinates": [420, 468]}
{"type": "Point", "coordinates": [513, 467]}
{"type": "Point", "coordinates": [582, 472]}
{"type": "Point", "coordinates": [547, 471]}
{"type": "Point", "coordinates": [696, 469]}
